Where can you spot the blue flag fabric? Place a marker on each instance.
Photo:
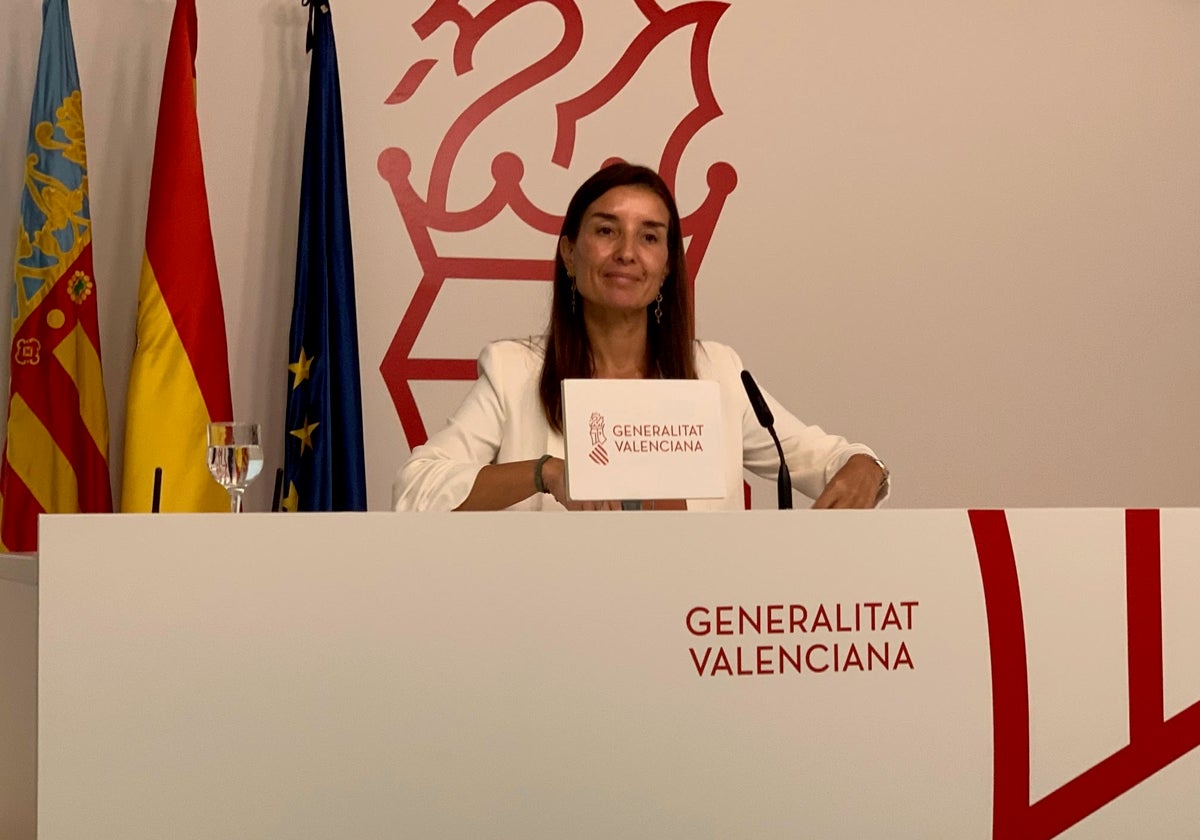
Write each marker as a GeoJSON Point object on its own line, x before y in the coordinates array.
{"type": "Point", "coordinates": [324, 466]}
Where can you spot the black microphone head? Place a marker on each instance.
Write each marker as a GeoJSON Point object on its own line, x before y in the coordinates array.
{"type": "Point", "coordinates": [765, 418]}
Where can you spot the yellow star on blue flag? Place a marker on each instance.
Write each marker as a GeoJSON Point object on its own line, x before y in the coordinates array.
{"type": "Point", "coordinates": [304, 433]}
{"type": "Point", "coordinates": [302, 368]}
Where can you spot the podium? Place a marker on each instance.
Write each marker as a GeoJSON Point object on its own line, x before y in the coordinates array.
{"type": "Point", "coordinates": [833, 674]}
{"type": "Point", "coordinates": [18, 696]}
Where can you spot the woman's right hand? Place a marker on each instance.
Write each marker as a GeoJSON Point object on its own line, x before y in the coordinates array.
{"type": "Point", "coordinates": [498, 486]}
{"type": "Point", "coordinates": [554, 477]}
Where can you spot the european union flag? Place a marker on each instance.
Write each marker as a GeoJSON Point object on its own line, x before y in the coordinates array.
{"type": "Point", "coordinates": [324, 467]}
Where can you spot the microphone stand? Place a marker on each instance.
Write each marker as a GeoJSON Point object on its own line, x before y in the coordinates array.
{"type": "Point", "coordinates": [767, 420]}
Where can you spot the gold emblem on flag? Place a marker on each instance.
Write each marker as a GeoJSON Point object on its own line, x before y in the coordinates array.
{"type": "Point", "coordinates": [81, 286]}
{"type": "Point", "coordinates": [65, 229]}
{"type": "Point", "coordinates": [28, 351]}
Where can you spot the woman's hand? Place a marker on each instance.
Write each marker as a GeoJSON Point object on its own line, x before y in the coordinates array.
{"type": "Point", "coordinates": [498, 486]}
{"type": "Point", "coordinates": [554, 477]}
{"type": "Point", "coordinates": [856, 485]}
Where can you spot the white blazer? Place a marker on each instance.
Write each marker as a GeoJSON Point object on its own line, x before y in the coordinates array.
{"type": "Point", "coordinates": [501, 420]}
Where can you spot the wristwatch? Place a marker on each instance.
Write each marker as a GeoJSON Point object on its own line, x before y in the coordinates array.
{"type": "Point", "coordinates": [539, 483]}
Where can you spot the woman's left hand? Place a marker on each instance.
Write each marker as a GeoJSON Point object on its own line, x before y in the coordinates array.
{"type": "Point", "coordinates": [856, 485]}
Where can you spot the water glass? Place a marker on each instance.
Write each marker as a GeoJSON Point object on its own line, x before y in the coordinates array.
{"type": "Point", "coordinates": [235, 458]}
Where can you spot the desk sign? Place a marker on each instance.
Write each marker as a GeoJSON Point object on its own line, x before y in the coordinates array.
{"type": "Point", "coordinates": [643, 439]}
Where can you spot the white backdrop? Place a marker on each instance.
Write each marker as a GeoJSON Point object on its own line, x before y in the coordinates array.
{"type": "Point", "coordinates": [963, 233]}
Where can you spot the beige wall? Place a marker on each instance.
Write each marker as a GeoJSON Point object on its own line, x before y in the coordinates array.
{"type": "Point", "coordinates": [964, 233]}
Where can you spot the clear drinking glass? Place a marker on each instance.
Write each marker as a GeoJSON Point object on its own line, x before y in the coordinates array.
{"type": "Point", "coordinates": [235, 458]}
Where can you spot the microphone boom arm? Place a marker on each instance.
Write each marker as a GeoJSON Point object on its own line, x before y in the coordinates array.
{"type": "Point", "coordinates": [767, 420]}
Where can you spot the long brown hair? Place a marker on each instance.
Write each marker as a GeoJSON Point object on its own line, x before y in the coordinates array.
{"type": "Point", "coordinates": [669, 344]}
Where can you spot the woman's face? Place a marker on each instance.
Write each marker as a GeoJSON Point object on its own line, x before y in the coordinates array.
{"type": "Point", "coordinates": [620, 258]}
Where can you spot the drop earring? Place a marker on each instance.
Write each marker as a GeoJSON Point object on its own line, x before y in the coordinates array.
{"type": "Point", "coordinates": [658, 308]}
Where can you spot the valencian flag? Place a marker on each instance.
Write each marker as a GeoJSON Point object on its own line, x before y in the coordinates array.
{"type": "Point", "coordinates": [179, 380]}
{"type": "Point", "coordinates": [323, 452]}
{"type": "Point", "coordinates": [56, 450]}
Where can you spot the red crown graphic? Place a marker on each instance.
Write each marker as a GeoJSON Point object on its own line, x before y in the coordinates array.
{"type": "Point", "coordinates": [423, 216]}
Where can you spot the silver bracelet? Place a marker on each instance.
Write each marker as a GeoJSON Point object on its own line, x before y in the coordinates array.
{"type": "Point", "coordinates": [887, 474]}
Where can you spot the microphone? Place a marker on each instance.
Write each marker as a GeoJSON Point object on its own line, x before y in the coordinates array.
{"type": "Point", "coordinates": [156, 496]}
{"type": "Point", "coordinates": [767, 420]}
{"type": "Point", "coordinates": [278, 497]}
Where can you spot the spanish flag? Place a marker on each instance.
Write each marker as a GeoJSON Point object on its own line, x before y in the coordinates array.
{"type": "Point", "coordinates": [179, 380]}
{"type": "Point", "coordinates": [56, 449]}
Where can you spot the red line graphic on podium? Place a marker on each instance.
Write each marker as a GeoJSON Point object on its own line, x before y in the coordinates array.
{"type": "Point", "coordinates": [1154, 742]}
{"type": "Point", "coordinates": [424, 215]}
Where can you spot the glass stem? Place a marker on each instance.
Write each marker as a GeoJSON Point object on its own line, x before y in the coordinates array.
{"type": "Point", "coordinates": [235, 501]}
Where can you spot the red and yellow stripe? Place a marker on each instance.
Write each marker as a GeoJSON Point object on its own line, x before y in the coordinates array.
{"type": "Point", "coordinates": [56, 454]}
{"type": "Point", "coordinates": [179, 380]}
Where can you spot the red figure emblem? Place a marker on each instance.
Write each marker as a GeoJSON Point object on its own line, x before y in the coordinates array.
{"type": "Point", "coordinates": [425, 215]}
{"type": "Point", "coordinates": [596, 430]}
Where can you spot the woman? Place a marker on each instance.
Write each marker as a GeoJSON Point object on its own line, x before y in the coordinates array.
{"type": "Point", "coordinates": [620, 310]}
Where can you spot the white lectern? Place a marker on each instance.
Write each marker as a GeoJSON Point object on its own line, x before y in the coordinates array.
{"type": "Point", "coordinates": [771, 674]}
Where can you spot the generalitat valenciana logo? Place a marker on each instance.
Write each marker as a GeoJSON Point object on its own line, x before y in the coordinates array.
{"type": "Point", "coordinates": [596, 430]}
